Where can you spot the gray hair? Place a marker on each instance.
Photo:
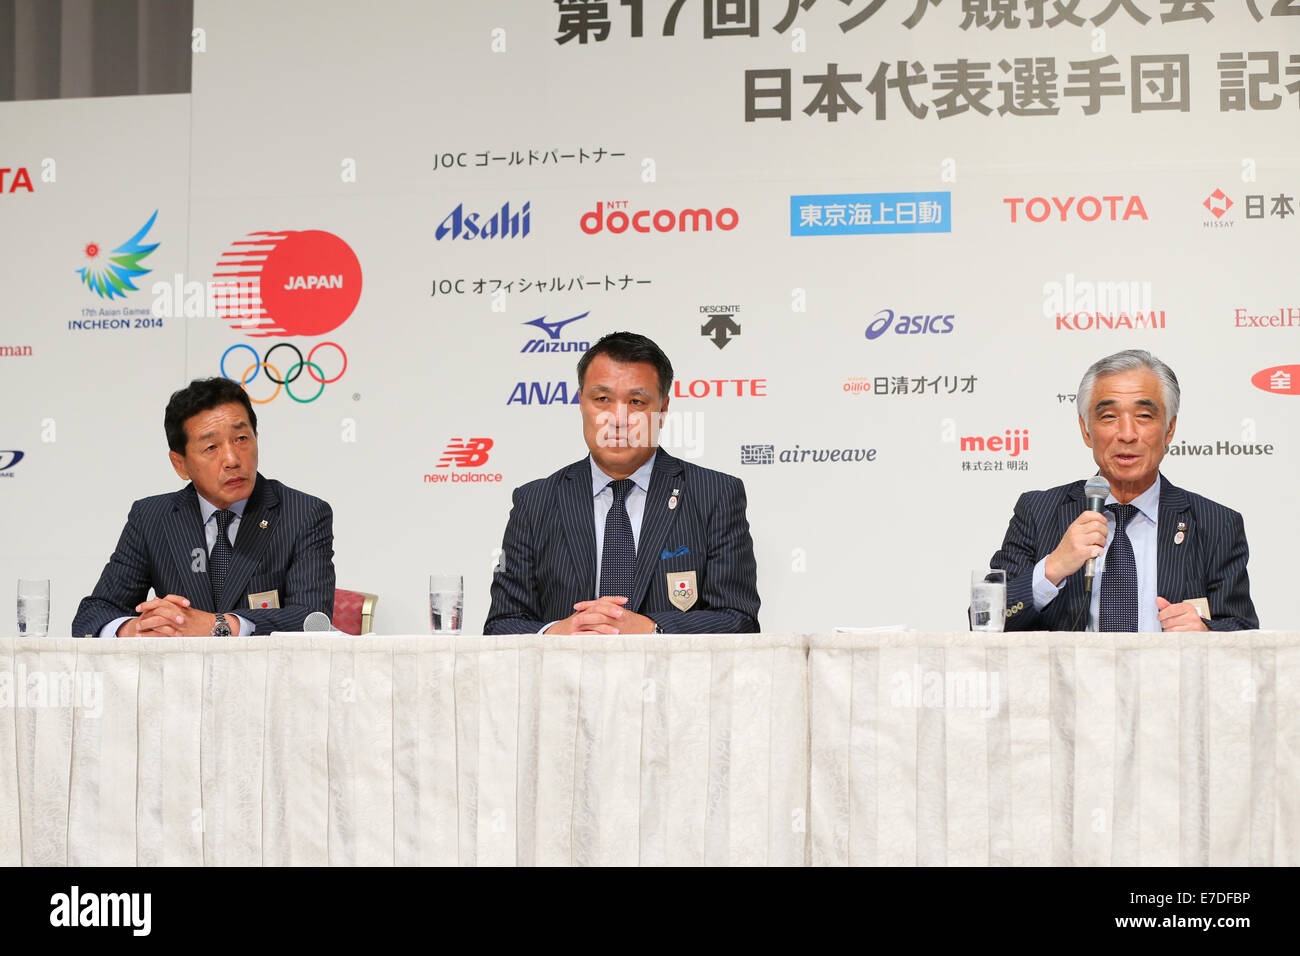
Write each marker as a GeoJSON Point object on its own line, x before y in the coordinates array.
{"type": "Point", "coordinates": [1127, 361]}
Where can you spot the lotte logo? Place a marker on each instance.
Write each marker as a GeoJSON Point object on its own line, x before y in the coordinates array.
{"type": "Point", "coordinates": [281, 284]}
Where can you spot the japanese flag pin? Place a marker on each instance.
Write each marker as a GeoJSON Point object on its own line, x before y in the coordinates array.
{"type": "Point", "coordinates": [672, 502]}
{"type": "Point", "coordinates": [1181, 536]}
{"type": "Point", "coordinates": [263, 524]}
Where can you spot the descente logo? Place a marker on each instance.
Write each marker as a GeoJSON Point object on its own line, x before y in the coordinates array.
{"type": "Point", "coordinates": [102, 909]}
{"type": "Point", "coordinates": [618, 219]}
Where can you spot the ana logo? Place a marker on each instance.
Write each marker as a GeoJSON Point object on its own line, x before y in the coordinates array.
{"type": "Point", "coordinates": [9, 458]}
{"type": "Point", "coordinates": [553, 343]}
{"type": "Point", "coordinates": [1218, 203]}
{"type": "Point", "coordinates": [19, 180]}
{"type": "Point", "coordinates": [867, 214]}
{"type": "Point", "coordinates": [544, 393]}
{"type": "Point", "coordinates": [110, 276]}
{"type": "Point", "coordinates": [1278, 380]}
{"type": "Point", "coordinates": [466, 453]}
{"type": "Point", "coordinates": [721, 326]}
{"type": "Point", "coordinates": [287, 283]}
{"type": "Point", "coordinates": [502, 224]}
{"type": "Point", "coordinates": [1013, 442]}
{"type": "Point", "coordinates": [936, 323]}
{"type": "Point", "coordinates": [662, 220]}
{"type": "Point", "coordinates": [1286, 316]}
{"type": "Point", "coordinates": [1085, 208]}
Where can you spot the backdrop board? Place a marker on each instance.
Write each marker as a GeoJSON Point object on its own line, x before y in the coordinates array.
{"type": "Point", "coordinates": [880, 241]}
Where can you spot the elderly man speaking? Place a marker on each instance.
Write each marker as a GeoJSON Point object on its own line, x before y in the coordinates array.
{"type": "Point", "coordinates": [1166, 559]}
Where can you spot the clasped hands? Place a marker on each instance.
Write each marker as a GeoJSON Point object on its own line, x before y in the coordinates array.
{"type": "Point", "coordinates": [605, 615]}
{"type": "Point", "coordinates": [172, 616]}
{"type": "Point", "coordinates": [1086, 538]}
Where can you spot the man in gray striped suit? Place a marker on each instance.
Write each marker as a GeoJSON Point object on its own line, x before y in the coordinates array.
{"type": "Point", "coordinates": [629, 540]}
{"type": "Point", "coordinates": [1172, 560]}
{"type": "Point", "coordinates": [230, 553]}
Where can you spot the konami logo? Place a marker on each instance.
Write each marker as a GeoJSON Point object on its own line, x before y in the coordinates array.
{"type": "Point", "coordinates": [618, 218]}
{"type": "Point", "coordinates": [1013, 442]}
{"type": "Point", "coordinates": [1086, 208]}
{"type": "Point", "coordinates": [1086, 321]}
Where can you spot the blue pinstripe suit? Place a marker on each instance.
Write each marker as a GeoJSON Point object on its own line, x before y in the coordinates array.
{"type": "Point", "coordinates": [548, 560]}
{"type": "Point", "coordinates": [163, 537]}
{"type": "Point", "coordinates": [1209, 563]}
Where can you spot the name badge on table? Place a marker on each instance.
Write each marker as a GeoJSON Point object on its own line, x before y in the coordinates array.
{"type": "Point", "coordinates": [682, 590]}
{"type": "Point", "coordinates": [264, 599]}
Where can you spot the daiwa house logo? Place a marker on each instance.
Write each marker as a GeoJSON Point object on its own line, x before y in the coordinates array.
{"type": "Point", "coordinates": [111, 276]}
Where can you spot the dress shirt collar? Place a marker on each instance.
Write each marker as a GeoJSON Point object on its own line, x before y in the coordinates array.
{"type": "Point", "coordinates": [207, 509]}
{"type": "Point", "coordinates": [1148, 503]}
{"type": "Point", "coordinates": [641, 477]}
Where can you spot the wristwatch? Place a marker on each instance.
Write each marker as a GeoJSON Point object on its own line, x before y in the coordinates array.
{"type": "Point", "coordinates": [657, 628]}
{"type": "Point", "coordinates": [219, 626]}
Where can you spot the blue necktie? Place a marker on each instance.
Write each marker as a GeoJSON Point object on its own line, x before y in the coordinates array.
{"type": "Point", "coordinates": [219, 560]}
{"type": "Point", "coordinates": [618, 556]}
{"type": "Point", "coordinates": [1119, 582]}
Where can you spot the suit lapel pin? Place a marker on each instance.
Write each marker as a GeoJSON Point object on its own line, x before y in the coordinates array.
{"type": "Point", "coordinates": [1181, 534]}
{"type": "Point", "coordinates": [672, 502]}
{"type": "Point", "coordinates": [263, 524]}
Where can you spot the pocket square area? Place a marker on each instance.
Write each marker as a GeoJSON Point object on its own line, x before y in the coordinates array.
{"type": "Point", "coordinates": [680, 552]}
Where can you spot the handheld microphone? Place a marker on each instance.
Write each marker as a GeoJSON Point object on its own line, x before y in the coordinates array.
{"type": "Point", "coordinates": [317, 621]}
{"type": "Point", "coordinates": [1095, 491]}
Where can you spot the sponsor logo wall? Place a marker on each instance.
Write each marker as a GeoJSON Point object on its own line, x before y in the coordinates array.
{"type": "Point", "coordinates": [877, 308]}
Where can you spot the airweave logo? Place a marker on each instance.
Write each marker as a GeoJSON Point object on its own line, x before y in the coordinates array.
{"type": "Point", "coordinates": [75, 908]}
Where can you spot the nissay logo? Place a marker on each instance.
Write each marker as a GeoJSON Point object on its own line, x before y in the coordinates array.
{"type": "Point", "coordinates": [936, 323]}
{"type": "Point", "coordinates": [617, 218]}
{"type": "Point", "coordinates": [1076, 208]}
{"type": "Point", "coordinates": [503, 223]}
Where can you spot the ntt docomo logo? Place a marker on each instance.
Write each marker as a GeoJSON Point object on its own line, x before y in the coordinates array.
{"type": "Point", "coordinates": [616, 218]}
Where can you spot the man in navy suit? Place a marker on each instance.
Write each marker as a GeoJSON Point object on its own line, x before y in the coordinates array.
{"type": "Point", "coordinates": [230, 553]}
{"type": "Point", "coordinates": [629, 540]}
{"type": "Point", "coordinates": [1181, 563]}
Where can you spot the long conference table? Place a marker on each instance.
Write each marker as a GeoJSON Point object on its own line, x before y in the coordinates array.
{"type": "Point", "coordinates": [901, 748]}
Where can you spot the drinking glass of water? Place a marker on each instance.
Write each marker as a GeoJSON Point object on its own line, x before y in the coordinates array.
{"type": "Point", "coordinates": [33, 607]}
{"type": "Point", "coordinates": [988, 600]}
{"type": "Point", "coordinates": [446, 603]}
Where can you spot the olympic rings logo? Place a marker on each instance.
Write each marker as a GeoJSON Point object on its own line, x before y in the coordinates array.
{"type": "Point", "coordinates": [263, 363]}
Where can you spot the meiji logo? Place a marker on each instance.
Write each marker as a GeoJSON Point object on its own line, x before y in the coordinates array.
{"type": "Point", "coordinates": [721, 388]}
{"type": "Point", "coordinates": [113, 276]}
{"type": "Point", "coordinates": [1085, 208]}
{"type": "Point", "coordinates": [466, 453]}
{"type": "Point", "coordinates": [1286, 316]}
{"type": "Point", "coordinates": [1278, 380]}
{"type": "Point", "coordinates": [291, 282]}
{"type": "Point", "coordinates": [1218, 203]}
{"type": "Point", "coordinates": [544, 393]}
{"type": "Point", "coordinates": [1085, 321]}
{"type": "Point", "coordinates": [1013, 442]}
{"type": "Point", "coordinates": [554, 343]}
{"type": "Point", "coordinates": [618, 219]}
{"type": "Point", "coordinates": [20, 180]}
{"type": "Point", "coordinates": [936, 323]}
{"type": "Point", "coordinates": [502, 224]}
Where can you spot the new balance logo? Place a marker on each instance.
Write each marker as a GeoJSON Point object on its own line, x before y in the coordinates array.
{"type": "Point", "coordinates": [466, 453]}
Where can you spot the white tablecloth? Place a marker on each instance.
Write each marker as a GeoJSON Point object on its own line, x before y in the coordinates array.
{"type": "Point", "coordinates": [905, 748]}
